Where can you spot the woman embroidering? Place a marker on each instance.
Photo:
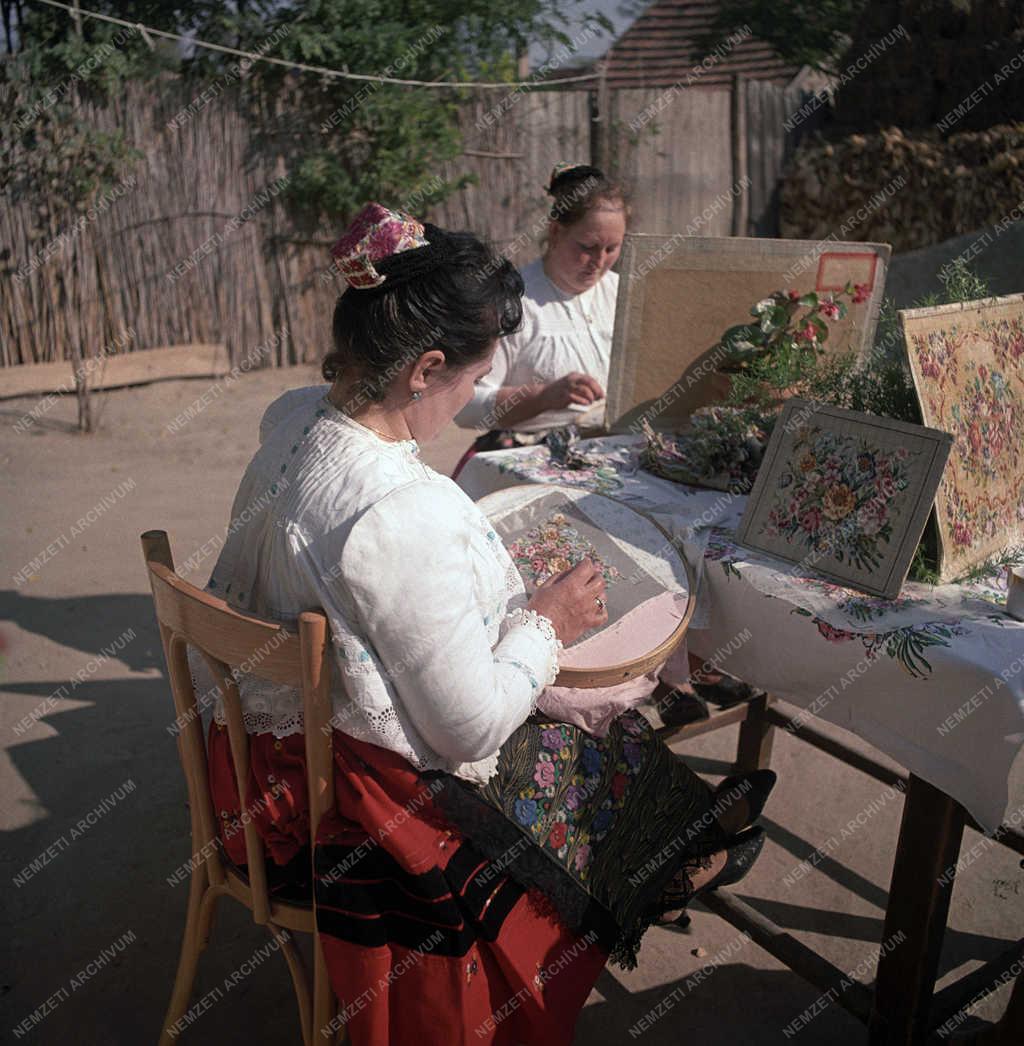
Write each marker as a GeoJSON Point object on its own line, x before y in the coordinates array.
{"type": "Point", "coordinates": [557, 362]}
{"type": "Point", "coordinates": [475, 842]}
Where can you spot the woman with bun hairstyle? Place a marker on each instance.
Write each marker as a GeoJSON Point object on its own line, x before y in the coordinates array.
{"type": "Point", "coordinates": [483, 861]}
{"type": "Point", "coordinates": [558, 360]}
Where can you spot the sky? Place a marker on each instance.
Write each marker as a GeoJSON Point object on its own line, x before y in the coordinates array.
{"type": "Point", "coordinates": [611, 10]}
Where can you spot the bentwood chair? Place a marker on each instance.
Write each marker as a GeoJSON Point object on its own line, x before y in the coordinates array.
{"type": "Point", "coordinates": [189, 616]}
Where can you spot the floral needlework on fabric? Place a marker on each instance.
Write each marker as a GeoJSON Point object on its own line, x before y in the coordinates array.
{"type": "Point", "coordinates": [840, 497]}
{"type": "Point", "coordinates": [904, 645]}
{"type": "Point", "coordinates": [968, 366]}
{"type": "Point", "coordinates": [603, 810]}
{"type": "Point", "coordinates": [856, 604]}
{"type": "Point", "coordinates": [553, 546]}
{"type": "Point", "coordinates": [538, 467]}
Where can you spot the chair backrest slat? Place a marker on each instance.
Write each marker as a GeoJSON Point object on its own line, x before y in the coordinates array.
{"type": "Point", "coordinates": [261, 647]}
{"type": "Point", "coordinates": [317, 713]}
{"type": "Point", "coordinates": [192, 752]}
{"type": "Point", "coordinates": [232, 643]}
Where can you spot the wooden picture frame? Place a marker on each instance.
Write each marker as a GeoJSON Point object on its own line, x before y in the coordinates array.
{"type": "Point", "coordinates": [678, 294]}
{"type": "Point", "coordinates": [967, 362]}
{"type": "Point", "coordinates": [845, 495]}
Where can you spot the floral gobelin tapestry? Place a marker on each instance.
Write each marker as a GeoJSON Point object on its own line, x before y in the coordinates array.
{"type": "Point", "coordinates": [845, 494]}
{"type": "Point", "coordinates": [549, 528]}
{"type": "Point", "coordinates": [967, 361]}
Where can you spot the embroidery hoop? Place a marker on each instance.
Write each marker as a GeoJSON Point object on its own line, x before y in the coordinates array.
{"type": "Point", "coordinates": [647, 632]}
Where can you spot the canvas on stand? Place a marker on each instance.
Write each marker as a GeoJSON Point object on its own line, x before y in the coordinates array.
{"type": "Point", "coordinates": [967, 361]}
{"type": "Point", "coordinates": [844, 494]}
{"type": "Point", "coordinates": [678, 294]}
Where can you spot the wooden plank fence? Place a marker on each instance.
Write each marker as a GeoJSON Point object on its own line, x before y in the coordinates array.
{"type": "Point", "coordinates": [195, 247]}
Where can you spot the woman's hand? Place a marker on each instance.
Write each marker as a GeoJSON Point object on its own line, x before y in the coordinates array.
{"type": "Point", "coordinates": [575, 387]}
{"type": "Point", "coordinates": [569, 601]}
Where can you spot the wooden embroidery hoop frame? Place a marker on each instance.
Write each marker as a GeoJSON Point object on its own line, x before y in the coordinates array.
{"type": "Point", "coordinates": [612, 675]}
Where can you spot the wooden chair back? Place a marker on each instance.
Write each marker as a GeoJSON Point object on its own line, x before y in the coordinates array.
{"type": "Point", "coordinates": [229, 641]}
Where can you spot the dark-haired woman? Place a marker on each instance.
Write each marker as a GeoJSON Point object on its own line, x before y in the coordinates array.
{"type": "Point", "coordinates": [559, 359]}
{"type": "Point", "coordinates": [483, 863]}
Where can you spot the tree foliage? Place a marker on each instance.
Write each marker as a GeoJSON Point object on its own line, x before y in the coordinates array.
{"type": "Point", "coordinates": [343, 142]}
{"type": "Point", "coordinates": [803, 32]}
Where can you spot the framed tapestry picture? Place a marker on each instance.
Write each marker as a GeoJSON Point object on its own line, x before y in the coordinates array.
{"type": "Point", "coordinates": [967, 361]}
{"type": "Point", "coordinates": [845, 494]}
{"type": "Point", "coordinates": [678, 294]}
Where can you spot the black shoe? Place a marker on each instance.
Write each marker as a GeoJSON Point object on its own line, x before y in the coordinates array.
{"type": "Point", "coordinates": [741, 854]}
{"type": "Point", "coordinates": [754, 787]}
{"type": "Point", "coordinates": [727, 692]}
{"type": "Point", "coordinates": [680, 707]}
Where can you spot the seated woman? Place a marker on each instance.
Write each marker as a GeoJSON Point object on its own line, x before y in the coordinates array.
{"type": "Point", "coordinates": [483, 862]}
{"type": "Point", "coordinates": [560, 356]}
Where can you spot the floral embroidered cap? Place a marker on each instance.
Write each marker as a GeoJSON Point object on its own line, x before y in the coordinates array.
{"type": "Point", "coordinates": [375, 234]}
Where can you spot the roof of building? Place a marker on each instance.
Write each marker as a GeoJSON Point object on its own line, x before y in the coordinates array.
{"type": "Point", "coordinates": [661, 49]}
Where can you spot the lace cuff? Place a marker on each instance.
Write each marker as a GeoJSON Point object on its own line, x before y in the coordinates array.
{"type": "Point", "coordinates": [543, 625]}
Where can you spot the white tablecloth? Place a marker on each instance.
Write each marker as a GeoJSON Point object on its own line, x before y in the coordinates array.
{"type": "Point", "coordinates": [935, 678]}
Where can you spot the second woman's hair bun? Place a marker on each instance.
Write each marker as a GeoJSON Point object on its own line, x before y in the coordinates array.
{"type": "Point", "coordinates": [566, 174]}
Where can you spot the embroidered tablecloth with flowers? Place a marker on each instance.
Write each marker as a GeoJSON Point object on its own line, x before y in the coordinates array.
{"type": "Point", "coordinates": [903, 629]}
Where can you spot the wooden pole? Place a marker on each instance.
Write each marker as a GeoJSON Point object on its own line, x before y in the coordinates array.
{"type": "Point", "coordinates": [741, 203]}
{"type": "Point", "coordinates": [600, 120]}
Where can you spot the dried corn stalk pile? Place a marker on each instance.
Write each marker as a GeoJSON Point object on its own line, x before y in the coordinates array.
{"type": "Point", "coordinates": [910, 191]}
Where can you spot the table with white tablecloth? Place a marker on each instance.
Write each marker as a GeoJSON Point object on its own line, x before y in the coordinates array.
{"type": "Point", "coordinates": [934, 679]}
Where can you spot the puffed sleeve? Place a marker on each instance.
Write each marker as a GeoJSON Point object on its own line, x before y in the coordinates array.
{"type": "Point", "coordinates": [478, 413]}
{"type": "Point", "coordinates": [293, 399]}
{"type": "Point", "coordinates": [408, 567]}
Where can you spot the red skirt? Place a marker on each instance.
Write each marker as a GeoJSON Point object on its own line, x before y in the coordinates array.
{"type": "Point", "coordinates": [426, 940]}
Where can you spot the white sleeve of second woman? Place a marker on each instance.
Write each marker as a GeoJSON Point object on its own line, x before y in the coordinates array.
{"type": "Point", "coordinates": [408, 566]}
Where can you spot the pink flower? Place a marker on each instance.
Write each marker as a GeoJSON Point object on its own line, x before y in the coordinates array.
{"type": "Point", "coordinates": [544, 775]}
{"type": "Point", "coordinates": [793, 295]}
{"type": "Point", "coordinates": [582, 857]}
{"type": "Point", "coordinates": [869, 524]}
{"type": "Point", "coordinates": [861, 292]}
{"type": "Point", "coordinates": [961, 534]}
{"type": "Point", "coordinates": [808, 333]}
{"type": "Point", "coordinates": [831, 310]}
{"type": "Point", "coordinates": [811, 520]}
{"type": "Point", "coordinates": [833, 635]}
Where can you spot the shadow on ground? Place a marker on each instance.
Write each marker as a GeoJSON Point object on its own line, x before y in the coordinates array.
{"type": "Point", "coordinates": [113, 762]}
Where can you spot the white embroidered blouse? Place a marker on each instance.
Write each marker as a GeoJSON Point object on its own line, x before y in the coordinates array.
{"type": "Point", "coordinates": [560, 333]}
{"type": "Point", "coordinates": [417, 587]}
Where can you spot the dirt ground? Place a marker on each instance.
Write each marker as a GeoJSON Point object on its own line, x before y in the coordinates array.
{"type": "Point", "coordinates": [93, 791]}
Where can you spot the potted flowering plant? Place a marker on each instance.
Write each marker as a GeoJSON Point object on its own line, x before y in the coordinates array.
{"type": "Point", "coordinates": [768, 357]}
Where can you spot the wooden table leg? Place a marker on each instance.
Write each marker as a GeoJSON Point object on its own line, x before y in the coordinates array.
{"type": "Point", "coordinates": [915, 919]}
{"type": "Point", "coordinates": [754, 747]}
